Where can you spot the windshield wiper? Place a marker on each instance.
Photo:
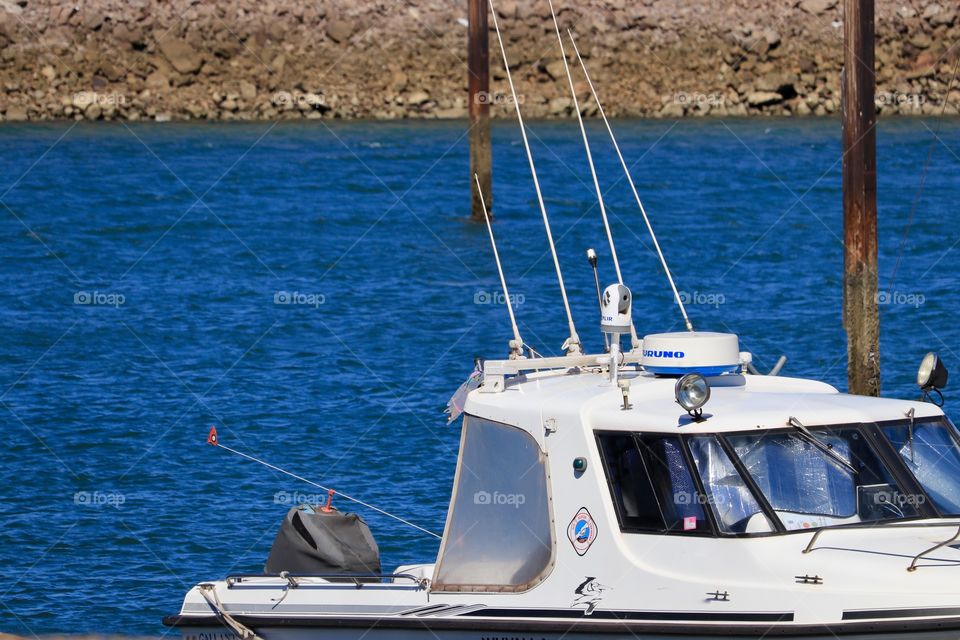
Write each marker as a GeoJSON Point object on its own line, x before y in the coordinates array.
{"type": "Point", "coordinates": [910, 414]}
{"type": "Point", "coordinates": [826, 449]}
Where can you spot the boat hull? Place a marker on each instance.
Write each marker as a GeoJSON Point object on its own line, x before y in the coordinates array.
{"type": "Point", "coordinates": [400, 628]}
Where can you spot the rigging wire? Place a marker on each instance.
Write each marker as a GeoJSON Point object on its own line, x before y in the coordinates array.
{"type": "Point", "coordinates": [517, 347]}
{"type": "Point", "coordinates": [215, 442]}
{"type": "Point", "coordinates": [586, 146]}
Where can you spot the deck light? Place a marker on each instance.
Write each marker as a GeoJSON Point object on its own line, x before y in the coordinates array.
{"type": "Point", "coordinates": [931, 377]}
{"type": "Point", "coordinates": [932, 374]}
{"type": "Point", "coordinates": [692, 392]}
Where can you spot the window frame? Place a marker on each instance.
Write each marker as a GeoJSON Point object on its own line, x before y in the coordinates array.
{"type": "Point", "coordinates": [872, 432]}
{"type": "Point", "coordinates": [691, 469]}
{"type": "Point", "coordinates": [916, 488]}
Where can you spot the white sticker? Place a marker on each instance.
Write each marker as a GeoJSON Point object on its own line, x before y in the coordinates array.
{"type": "Point", "coordinates": [582, 531]}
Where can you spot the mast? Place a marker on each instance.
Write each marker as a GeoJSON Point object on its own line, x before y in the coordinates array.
{"type": "Point", "coordinates": [860, 312]}
{"type": "Point", "coordinates": [478, 82]}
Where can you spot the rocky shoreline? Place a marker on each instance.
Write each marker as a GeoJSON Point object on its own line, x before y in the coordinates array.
{"type": "Point", "coordinates": [289, 59]}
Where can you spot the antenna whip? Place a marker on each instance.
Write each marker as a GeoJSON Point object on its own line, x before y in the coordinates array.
{"type": "Point", "coordinates": [516, 345]}
{"type": "Point", "coordinates": [634, 341]}
{"type": "Point", "coordinates": [626, 170]}
{"type": "Point", "coordinates": [572, 344]}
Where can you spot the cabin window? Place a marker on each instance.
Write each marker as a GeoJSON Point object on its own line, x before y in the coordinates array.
{"type": "Point", "coordinates": [796, 476]}
{"type": "Point", "coordinates": [929, 450]}
{"type": "Point", "coordinates": [834, 479]}
{"type": "Point", "coordinates": [775, 480]}
{"type": "Point", "coordinates": [736, 508]}
{"type": "Point", "coordinates": [651, 484]}
{"type": "Point", "coordinates": [498, 535]}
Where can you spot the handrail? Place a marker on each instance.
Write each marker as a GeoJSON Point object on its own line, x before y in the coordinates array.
{"type": "Point", "coordinates": [495, 371]}
{"type": "Point", "coordinates": [357, 578]}
{"type": "Point", "coordinates": [892, 525]}
{"type": "Point", "coordinates": [916, 558]}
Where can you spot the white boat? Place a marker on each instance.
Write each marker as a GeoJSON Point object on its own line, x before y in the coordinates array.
{"type": "Point", "coordinates": [785, 508]}
{"type": "Point", "coordinates": [663, 491]}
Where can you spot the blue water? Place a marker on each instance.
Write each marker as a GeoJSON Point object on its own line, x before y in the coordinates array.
{"type": "Point", "coordinates": [182, 236]}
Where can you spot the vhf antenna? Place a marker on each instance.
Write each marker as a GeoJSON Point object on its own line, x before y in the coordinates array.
{"type": "Point", "coordinates": [572, 344]}
{"type": "Point", "coordinates": [592, 259]}
{"type": "Point", "coordinates": [634, 341]}
{"type": "Point", "coordinates": [626, 170]}
{"type": "Point", "coordinates": [516, 345]}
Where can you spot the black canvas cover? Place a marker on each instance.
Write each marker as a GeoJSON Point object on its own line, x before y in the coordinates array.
{"type": "Point", "coordinates": [312, 541]}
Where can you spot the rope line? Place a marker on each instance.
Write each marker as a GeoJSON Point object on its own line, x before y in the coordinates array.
{"type": "Point", "coordinates": [320, 486]}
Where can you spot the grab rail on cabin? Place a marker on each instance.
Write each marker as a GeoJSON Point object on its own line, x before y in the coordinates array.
{"type": "Point", "coordinates": [916, 558]}
{"type": "Point", "coordinates": [899, 525]}
{"type": "Point", "coordinates": [359, 579]}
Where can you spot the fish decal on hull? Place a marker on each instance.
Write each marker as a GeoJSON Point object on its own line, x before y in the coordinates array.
{"type": "Point", "coordinates": [589, 593]}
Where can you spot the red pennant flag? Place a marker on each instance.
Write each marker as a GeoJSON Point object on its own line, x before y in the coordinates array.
{"type": "Point", "coordinates": [212, 437]}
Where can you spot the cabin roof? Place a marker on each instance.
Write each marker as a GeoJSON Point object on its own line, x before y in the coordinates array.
{"type": "Point", "coordinates": [737, 403]}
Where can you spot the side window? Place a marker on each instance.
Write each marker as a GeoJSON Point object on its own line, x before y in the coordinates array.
{"type": "Point", "coordinates": [651, 484]}
{"type": "Point", "coordinates": [498, 535]}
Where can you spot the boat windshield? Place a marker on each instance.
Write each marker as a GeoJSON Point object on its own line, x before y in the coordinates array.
{"type": "Point", "coordinates": [929, 449]}
{"type": "Point", "coordinates": [822, 476]}
{"type": "Point", "coordinates": [789, 479]}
